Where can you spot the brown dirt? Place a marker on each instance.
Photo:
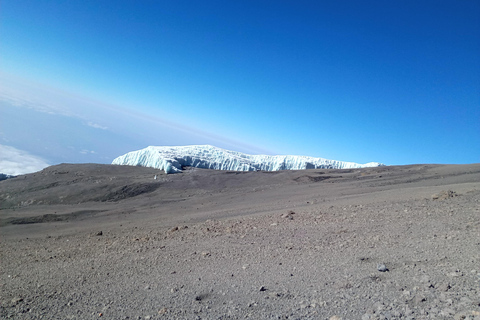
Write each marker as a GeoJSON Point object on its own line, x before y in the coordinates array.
{"type": "Point", "coordinates": [99, 241]}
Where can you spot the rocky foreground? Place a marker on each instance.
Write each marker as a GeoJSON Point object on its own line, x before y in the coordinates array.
{"type": "Point", "coordinates": [92, 241]}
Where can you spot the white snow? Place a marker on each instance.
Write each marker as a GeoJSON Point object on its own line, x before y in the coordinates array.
{"type": "Point", "coordinates": [172, 159]}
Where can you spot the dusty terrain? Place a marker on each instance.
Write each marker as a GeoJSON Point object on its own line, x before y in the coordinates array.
{"type": "Point", "coordinates": [98, 241]}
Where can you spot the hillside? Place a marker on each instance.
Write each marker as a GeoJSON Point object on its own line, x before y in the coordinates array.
{"type": "Point", "coordinates": [87, 241]}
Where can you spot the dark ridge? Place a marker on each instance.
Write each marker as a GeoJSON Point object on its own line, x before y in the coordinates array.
{"type": "Point", "coordinates": [52, 217]}
{"type": "Point", "coordinates": [4, 176]}
{"type": "Point", "coordinates": [312, 178]}
{"type": "Point", "coordinates": [129, 191]}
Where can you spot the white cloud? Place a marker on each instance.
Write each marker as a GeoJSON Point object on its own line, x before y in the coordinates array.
{"type": "Point", "coordinates": [96, 125]}
{"type": "Point", "coordinates": [14, 161]}
{"type": "Point", "coordinates": [85, 151]}
{"type": "Point", "coordinates": [27, 94]}
{"type": "Point", "coordinates": [129, 125]}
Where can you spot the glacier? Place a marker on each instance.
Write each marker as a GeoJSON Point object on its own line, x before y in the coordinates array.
{"type": "Point", "coordinates": [173, 159]}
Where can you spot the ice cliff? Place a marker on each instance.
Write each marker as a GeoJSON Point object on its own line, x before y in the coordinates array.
{"type": "Point", "coordinates": [172, 159]}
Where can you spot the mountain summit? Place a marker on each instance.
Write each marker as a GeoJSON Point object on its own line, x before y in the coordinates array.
{"type": "Point", "coordinates": [172, 159]}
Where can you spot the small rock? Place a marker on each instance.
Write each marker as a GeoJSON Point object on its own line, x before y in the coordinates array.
{"type": "Point", "coordinates": [99, 233]}
{"type": "Point", "coordinates": [162, 311]}
{"type": "Point", "coordinates": [444, 195]}
{"type": "Point", "coordinates": [335, 318]}
{"type": "Point", "coordinates": [378, 306]}
{"type": "Point", "coordinates": [456, 273]}
{"type": "Point", "coordinates": [408, 311]}
{"type": "Point", "coordinates": [287, 216]}
{"type": "Point", "coordinates": [16, 300]}
{"type": "Point", "coordinates": [202, 296]}
{"type": "Point", "coordinates": [419, 299]}
{"type": "Point", "coordinates": [262, 288]}
{"type": "Point", "coordinates": [444, 287]}
{"type": "Point", "coordinates": [461, 315]}
{"type": "Point", "coordinates": [447, 312]}
{"type": "Point", "coordinates": [465, 300]}
{"type": "Point", "coordinates": [381, 267]}
{"type": "Point", "coordinates": [367, 316]}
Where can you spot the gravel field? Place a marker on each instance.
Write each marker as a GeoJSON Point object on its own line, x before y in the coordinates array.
{"type": "Point", "coordinates": [89, 241]}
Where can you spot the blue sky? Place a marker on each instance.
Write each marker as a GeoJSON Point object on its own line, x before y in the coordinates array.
{"type": "Point", "coordinates": [393, 82]}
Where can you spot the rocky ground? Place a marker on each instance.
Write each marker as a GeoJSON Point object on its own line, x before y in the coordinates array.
{"type": "Point", "coordinates": [93, 241]}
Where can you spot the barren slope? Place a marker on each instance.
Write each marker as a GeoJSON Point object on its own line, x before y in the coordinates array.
{"type": "Point", "coordinates": [227, 245]}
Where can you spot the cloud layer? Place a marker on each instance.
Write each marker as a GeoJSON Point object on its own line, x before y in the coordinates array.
{"type": "Point", "coordinates": [67, 128]}
{"type": "Point", "coordinates": [14, 161]}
